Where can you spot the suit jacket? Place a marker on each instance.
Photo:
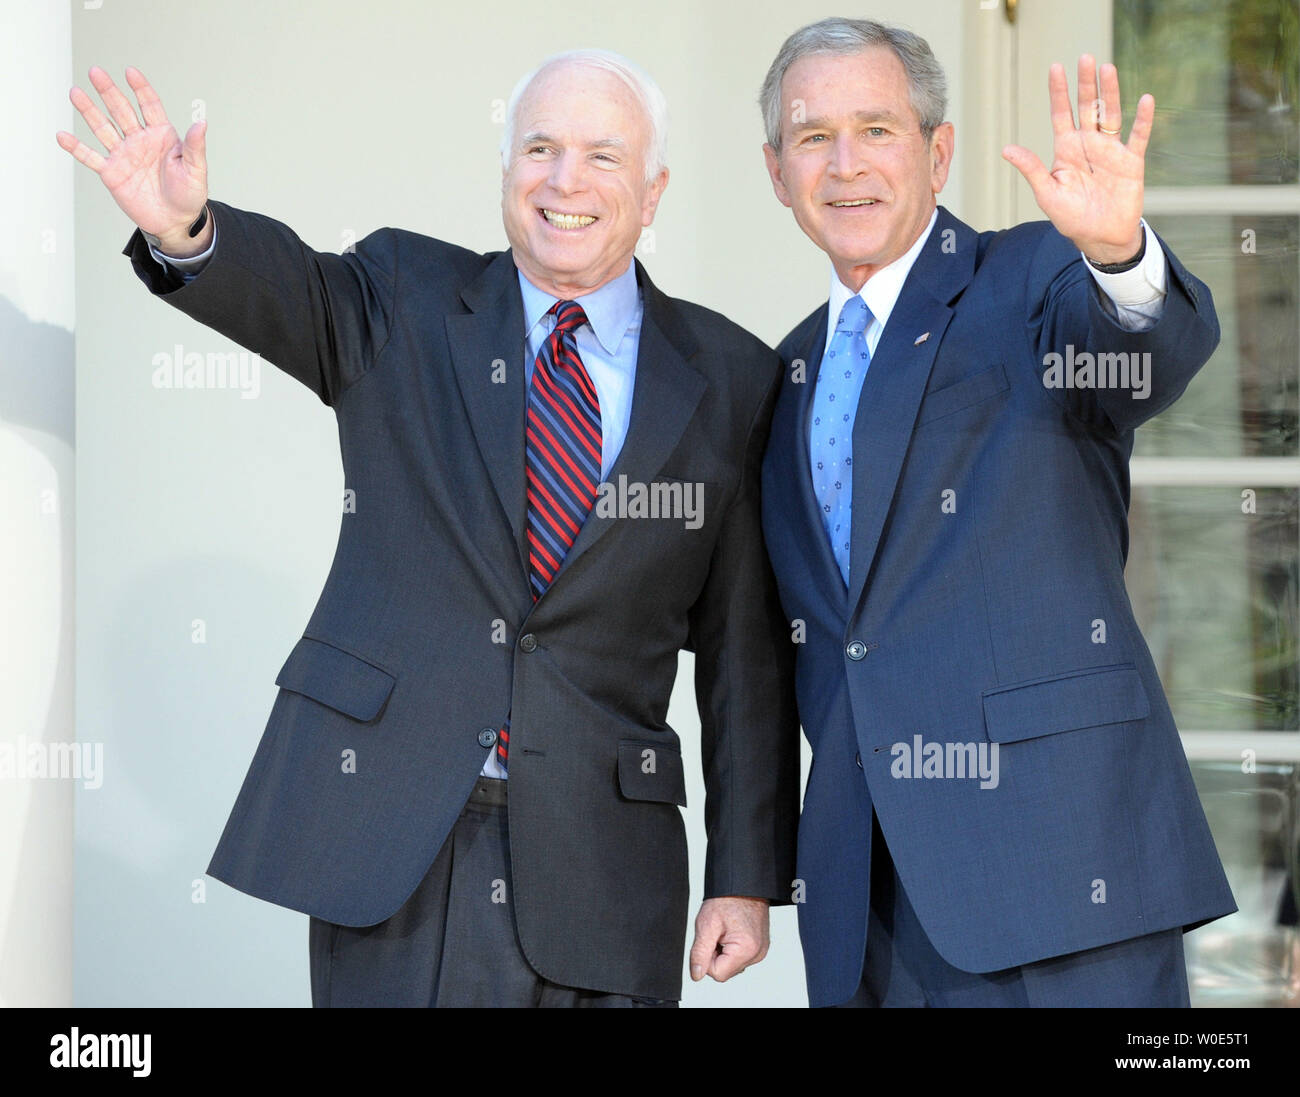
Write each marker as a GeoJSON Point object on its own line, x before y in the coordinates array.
{"type": "Point", "coordinates": [989, 536]}
{"type": "Point", "coordinates": [426, 636]}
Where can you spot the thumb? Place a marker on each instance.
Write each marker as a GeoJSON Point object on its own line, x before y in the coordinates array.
{"type": "Point", "coordinates": [194, 148]}
{"type": "Point", "coordinates": [1028, 164]}
{"type": "Point", "coordinates": [703, 950]}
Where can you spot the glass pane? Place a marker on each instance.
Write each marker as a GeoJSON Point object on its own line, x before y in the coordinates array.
{"type": "Point", "coordinates": [1251, 958]}
{"type": "Point", "coordinates": [1245, 401]}
{"type": "Point", "coordinates": [1214, 587]}
{"type": "Point", "coordinates": [1224, 76]}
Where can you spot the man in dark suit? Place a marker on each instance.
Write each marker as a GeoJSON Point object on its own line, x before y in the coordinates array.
{"type": "Point", "coordinates": [999, 810]}
{"type": "Point", "coordinates": [554, 470]}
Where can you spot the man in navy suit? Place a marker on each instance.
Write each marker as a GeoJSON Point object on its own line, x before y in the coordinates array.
{"type": "Point", "coordinates": [555, 469]}
{"type": "Point", "coordinates": [999, 810]}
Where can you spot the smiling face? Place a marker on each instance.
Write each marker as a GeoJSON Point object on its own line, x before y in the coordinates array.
{"type": "Point", "coordinates": [853, 165]}
{"type": "Point", "coordinates": [574, 197]}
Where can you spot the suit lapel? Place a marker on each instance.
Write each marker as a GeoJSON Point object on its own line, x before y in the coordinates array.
{"type": "Point", "coordinates": [493, 332]}
{"type": "Point", "coordinates": [896, 382]}
{"type": "Point", "coordinates": [665, 394]}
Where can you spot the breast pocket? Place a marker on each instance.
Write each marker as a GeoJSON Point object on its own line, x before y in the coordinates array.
{"type": "Point", "coordinates": [950, 399]}
{"type": "Point", "coordinates": [336, 678]}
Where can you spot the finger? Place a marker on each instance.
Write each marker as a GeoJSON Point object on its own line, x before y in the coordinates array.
{"type": "Point", "coordinates": [100, 126]}
{"type": "Point", "coordinates": [1089, 104]}
{"type": "Point", "coordinates": [1028, 164]}
{"type": "Point", "coordinates": [732, 960]}
{"type": "Point", "coordinates": [150, 105]}
{"type": "Point", "coordinates": [1142, 122]}
{"type": "Point", "coordinates": [81, 151]}
{"type": "Point", "coordinates": [121, 110]}
{"type": "Point", "coordinates": [1058, 92]}
{"type": "Point", "coordinates": [1111, 115]}
{"type": "Point", "coordinates": [194, 148]}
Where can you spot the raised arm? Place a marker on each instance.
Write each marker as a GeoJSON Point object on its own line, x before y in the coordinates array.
{"type": "Point", "coordinates": [321, 317]}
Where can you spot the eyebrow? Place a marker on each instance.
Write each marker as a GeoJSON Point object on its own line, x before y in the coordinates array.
{"type": "Point", "coordinates": [865, 116]}
{"type": "Point", "coordinates": [537, 137]}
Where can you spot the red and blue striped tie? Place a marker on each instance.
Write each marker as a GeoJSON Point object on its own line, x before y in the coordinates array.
{"type": "Point", "coordinates": [563, 456]}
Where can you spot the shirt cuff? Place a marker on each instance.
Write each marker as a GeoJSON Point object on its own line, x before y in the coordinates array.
{"type": "Point", "coordinates": [188, 267]}
{"type": "Point", "coordinates": [1145, 284]}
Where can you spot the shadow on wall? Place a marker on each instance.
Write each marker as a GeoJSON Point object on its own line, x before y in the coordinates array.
{"type": "Point", "coordinates": [37, 375]}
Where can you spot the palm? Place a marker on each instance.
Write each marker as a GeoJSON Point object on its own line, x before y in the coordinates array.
{"type": "Point", "coordinates": [1095, 179]}
{"type": "Point", "coordinates": [1093, 193]}
{"type": "Point", "coordinates": [148, 178]}
{"type": "Point", "coordinates": [158, 180]}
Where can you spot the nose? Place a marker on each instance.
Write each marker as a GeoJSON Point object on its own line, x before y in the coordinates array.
{"type": "Point", "coordinates": [848, 160]}
{"type": "Point", "coordinates": [566, 172]}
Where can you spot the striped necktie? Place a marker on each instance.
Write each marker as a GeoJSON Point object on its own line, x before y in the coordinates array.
{"type": "Point", "coordinates": [562, 456]}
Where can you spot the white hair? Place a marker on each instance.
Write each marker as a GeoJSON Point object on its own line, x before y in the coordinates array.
{"type": "Point", "coordinates": [638, 81]}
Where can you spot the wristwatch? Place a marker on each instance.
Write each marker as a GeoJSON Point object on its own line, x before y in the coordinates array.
{"type": "Point", "coordinates": [1105, 268]}
{"type": "Point", "coordinates": [195, 229]}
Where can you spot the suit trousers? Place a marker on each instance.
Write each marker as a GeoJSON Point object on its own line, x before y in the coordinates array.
{"type": "Point", "coordinates": [453, 942]}
{"type": "Point", "coordinates": [903, 968]}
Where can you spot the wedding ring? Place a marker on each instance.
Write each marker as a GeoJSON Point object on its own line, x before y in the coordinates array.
{"type": "Point", "coordinates": [1113, 133]}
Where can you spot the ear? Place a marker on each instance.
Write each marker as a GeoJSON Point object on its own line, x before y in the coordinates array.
{"type": "Point", "coordinates": [773, 161]}
{"type": "Point", "coordinates": [653, 193]}
{"type": "Point", "coordinates": [942, 144]}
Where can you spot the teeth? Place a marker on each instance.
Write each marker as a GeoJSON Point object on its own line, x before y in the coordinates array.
{"type": "Point", "coordinates": [567, 220]}
{"type": "Point", "coordinates": [856, 202]}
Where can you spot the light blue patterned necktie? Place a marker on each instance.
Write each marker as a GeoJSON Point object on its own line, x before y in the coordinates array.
{"type": "Point", "coordinates": [830, 441]}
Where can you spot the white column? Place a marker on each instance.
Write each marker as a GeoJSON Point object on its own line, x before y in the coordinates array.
{"type": "Point", "coordinates": [36, 505]}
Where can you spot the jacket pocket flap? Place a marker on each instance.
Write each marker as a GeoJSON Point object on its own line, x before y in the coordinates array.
{"type": "Point", "coordinates": [336, 678]}
{"type": "Point", "coordinates": [651, 771]}
{"type": "Point", "coordinates": [1083, 699]}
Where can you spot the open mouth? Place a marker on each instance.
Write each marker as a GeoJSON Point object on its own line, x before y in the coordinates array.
{"type": "Point", "coordinates": [852, 203]}
{"type": "Point", "coordinates": [566, 222]}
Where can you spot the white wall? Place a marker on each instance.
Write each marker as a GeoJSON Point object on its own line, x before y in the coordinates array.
{"type": "Point", "coordinates": [336, 118]}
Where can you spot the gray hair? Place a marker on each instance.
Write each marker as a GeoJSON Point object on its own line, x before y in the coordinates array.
{"type": "Point", "coordinates": [927, 85]}
{"type": "Point", "coordinates": [644, 88]}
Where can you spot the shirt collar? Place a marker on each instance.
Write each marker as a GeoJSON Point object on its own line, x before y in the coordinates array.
{"type": "Point", "coordinates": [610, 310]}
{"type": "Point", "coordinates": [880, 291]}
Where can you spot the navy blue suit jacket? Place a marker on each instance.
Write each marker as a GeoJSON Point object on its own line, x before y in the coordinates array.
{"type": "Point", "coordinates": [989, 535]}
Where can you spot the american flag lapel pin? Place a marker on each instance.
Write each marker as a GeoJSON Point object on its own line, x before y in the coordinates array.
{"type": "Point", "coordinates": [921, 338]}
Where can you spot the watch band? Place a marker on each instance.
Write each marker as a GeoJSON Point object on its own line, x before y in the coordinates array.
{"type": "Point", "coordinates": [195, 228]}
{"type": "Point", "coordinates": [1120, 268]}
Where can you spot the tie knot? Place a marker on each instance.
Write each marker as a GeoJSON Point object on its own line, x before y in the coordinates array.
{"type": "Point", "coordinates": [568, 316]}
{"type": "Point", "coordinates": [854, 316]}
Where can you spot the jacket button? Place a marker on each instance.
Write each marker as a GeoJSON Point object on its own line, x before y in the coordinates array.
{"type": "Point", "coordinates": [528, 642]}
{"type": "Point", "coordinates": [858, 758]}
{"type": "Point", "coordinates": [856, 650]}
{"type": "Point", "coordinates": [487, 737]}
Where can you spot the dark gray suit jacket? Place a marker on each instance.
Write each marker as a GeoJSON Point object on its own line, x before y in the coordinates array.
{"type": "Point", "coordinates": [399, 664]}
